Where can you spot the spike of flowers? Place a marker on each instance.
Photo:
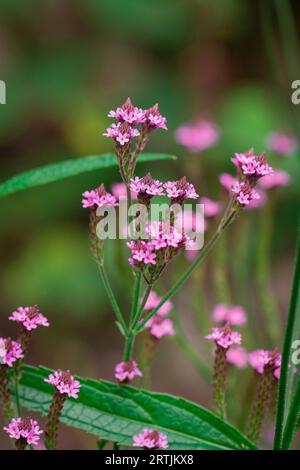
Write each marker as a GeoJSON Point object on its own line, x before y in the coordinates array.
{"type": "Point", "coordinates": [128, 113]}
{"type": "Point", "coordinates": [197, 136]}
{"type": "Point", "coordinates": [121, 133]}
{"type": "Point", "coordinates": [153, 301]}
{"type": "Point", "coordinates": [233, 314]}
{"type": "Point", "coordinates": [237, 356]}
{"type": "Point", "coordinates": [65, 386]}
{"type": "Point", "coordinates": [11, 351]}
{"type": "Point", "coordinates": [244, 193]}
{"type": "Point", "coordinates": [150, 439]}
{"type": "Point", "coordinates": [223, 338]}
{"type": "Point", "coordinates": [160, 326]}
{"type": "Point", "coordinates": [146, 188]}
{"type": "Point", "coordinates": [25, 431]}
{"type": "Point", "coordinates": [181, 190]}
{"type": "Point", "coordinates": [29, 317]}
{"type": "Point", "coordinates": [154, 120]}
{"type": "Point", "coordinates": [267, 365]}
{"type": "Point", "coordinates": [126, 371]}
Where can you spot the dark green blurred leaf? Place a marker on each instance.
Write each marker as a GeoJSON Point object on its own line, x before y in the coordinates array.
{"type": "Point", "coordinates": [62, 170]}
{"type": "Point", "coordinates": [116, 413]}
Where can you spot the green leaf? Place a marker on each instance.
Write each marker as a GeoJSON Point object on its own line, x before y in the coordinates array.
{"type": "Point", "coordinates": [117, 412]}
{"type": "Point", "coordinates": [288, 379]}
{"type": "Point", "coordinates": [66, 169]}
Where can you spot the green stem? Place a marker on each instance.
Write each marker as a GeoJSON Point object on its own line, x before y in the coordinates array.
{"type": "Point", "coordinates": [16, 385]}
{"type": "Point", "coordinates": [112, 298]}
{"type": "Point", "coordinates": [288, 339]}
{"type": "Point", "coordinates": [292, 419]}
{"type": "Point", "coordinates": [136, 296]}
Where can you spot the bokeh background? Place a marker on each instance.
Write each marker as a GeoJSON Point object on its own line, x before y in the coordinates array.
{"type": "Point", "coordinates": [66, 64]}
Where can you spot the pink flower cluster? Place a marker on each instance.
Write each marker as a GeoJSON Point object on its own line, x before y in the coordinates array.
{"type": "Point", "coordinates": [282, 144]}
{"type": "Point", "coordinates": [224, 337]}
{"type": "Point", "coordinates": [233, 314]}
{"type": "Point", "coordinates": [126, 371]}
{"type": "Point", "coordinates": [150, 439]}
{"type": "Point", "coordinates": [197, 136]}
{"type": "Point", "coordinates": [10, 351]}
{"type": "Point", "coordinates": [65, 383]}
{"type": "Point", "coordinates": [129, 116]}
{"type": "Point", "coordinates": [98, 198]}
{"type": "Point", "coordinates": [252, 165]}
{"type": "Point", "coordinates": [180, 190]}
{"type": "Point", "coordinates": [159, 326]}
{"type": "Point", "coordinates": [237, 356]}
{"type": "Point", "coordinates": [211, 208]}
{"type": "Point", "coordinates": [29, 317]}
{"type": "Point", "coordinates": [146, 187]}
{"type": "Point", "coordinates": [24, 428]}
{"type": "Point", "coordinates": [245, 194]}
{"type": "Point", "coordinates": [162, 246]}
{"type": "Point", "coordinates": [119, 190]}
{"type": "Point", "coordinates": [262, 359]}
{"type": "Point", "coordinates": [278, 178]}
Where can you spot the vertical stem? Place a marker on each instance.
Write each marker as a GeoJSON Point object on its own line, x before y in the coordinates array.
{"type": "Point", "coordinates": [219, 381]}
{"type": "Point", "coordinates": [5, 400]}
{"type": "Point", "coordinates": [292, 419]}
{"type": "Point", "coordinates": [53, 420]}
{"type": "Point", "coordinates": [260, 405]}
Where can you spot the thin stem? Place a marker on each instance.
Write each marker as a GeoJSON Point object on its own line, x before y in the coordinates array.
{"type": "Point", "coordinates": [292, 419]}
{"type": "Point", "coordinates": [112, 298]}
{"type": "Point", "coordinates": [129, 343]}
{"type": "Point", "coordinates": [16, 385]}
{"type": "Point", "coordinates": [136, 296]}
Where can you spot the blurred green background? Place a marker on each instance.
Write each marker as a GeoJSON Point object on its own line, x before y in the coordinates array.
{"type": "Point", "coordinates": [66, 64]}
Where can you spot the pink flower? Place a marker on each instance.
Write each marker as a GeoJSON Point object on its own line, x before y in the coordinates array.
{"type": "Point", "coordinates": [122, 133]}
{"type": "Point", "coordinates": [128, 113]}
{"type": "Point", "coordinates": [29, 317]}
{"type": "Point", "coordinates": [119, 190]}
{"type": "Point", "coordinates": [153, 301]}
{"type": "Point", "coordinates": [65, 383]}
{"type": "Point", "coordinates": [211, 208]}
{"type": "Point", "coordinates": [24, 428]}
{"type": "Point", "coordinates": [98, 198]}
{"type": "Point", "coordinates": [126, 371]}
{"type": "Point", "coordinates": [256, 203]}
{"type": "Point", "coordinates": [283, 144]}
{"type": "Point", "coordinates": [180, 190]}
{"type": "Point", "coordinates": [146, 186]}
{"type": "Point", "coordinates": [227, 180]}
{"type": "Point", "coordinates": [237, 356]}
{"type": "Point", "coordinates": [154, 119]}
{"type": "Point", "coordinates": [261, 359]}
{"type": "Point", "coordinates": [198, 136]}
{"type": "Point", "coordinates": [245, 193]}
{"type": "Point", "coordinates": [233, 314]}
{"type": "Point", "coordinates": [142, 253]}
{"type": "Point", "coordinates": [225, 337]}
{"type": "Point", "coordinates": [150, 439]}
{"type": "Point", "coordinates": [160, 326]}
{"type": "Point", "coordinates": [10, 351]}
{"type": "Point", "coordinates": [278, 178]}
{"type": "Point", "coordinates": [252, 165]}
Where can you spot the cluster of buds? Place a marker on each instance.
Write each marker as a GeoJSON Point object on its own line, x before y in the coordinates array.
{"type": "Point", "coordinates": [159, 325]}
{"type": "Point", "coordinates": [132, 123]}
{"type": "Point", "coordinates": [126, 371]}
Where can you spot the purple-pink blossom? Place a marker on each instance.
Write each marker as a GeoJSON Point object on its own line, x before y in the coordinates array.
{"type": "Point", "coordinates": [227, 180]}
{"type": "Point", "coordinates": [224, 337]}
{"type": "Point", "coordinates": [197, 136]}
{"type": "Point", "coordinates": [237, 356]}
{"type": "Point", "coordinates": [282, 144]}
{"type": "Point", "coordinates": [233, 314]}
{"type": "Point", "coordinates": [278, 178]}
{"type": "Point", "coordinates": [128, 113]}
{"type": "Point", "coordinates": [126, 371]}
{"type": "Point", "coordinates": [10, 351]}
{"type": "Point", "coordinates": [154, 120]}
{"type": "Point", "coordinates": [252, 166]}
{"type": "Point", "coordinates": [261, 359]}
{"type": "Point", "coordinates": [244, 193]}
{"type": "Point", "coordinates": [122, 133]}
{"type": "Point", "coordinates": [29, 317]}
{"type": "Point", "coordinates": [98, 198]}
{"type": "Point", "coordinates": [24, 428]}
{"type": "Point", "coordinates": [146, 186]}
{"type": "Point", "coordinates": [180, 190]}
{"type": "Point", "coordinates": [65, 383]}
{"type": "Point", "coordinates": [119, 190]}
{"type": "Point", "coordinates": [160, 326]}
{"type": "Point", "coordinates": [153, 301]}
{"type": "Point", "coordinates": [211, 208]}
{"type": "Point", "coordinates": [150, 439]}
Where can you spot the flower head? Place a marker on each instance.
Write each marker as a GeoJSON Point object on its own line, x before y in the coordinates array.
{"type": "Point", "coordinates": [278, 178]}
{"type": "Point", "coordinates": [160, 326]}
{"type": "Point", "coordinates": [251, 165]}
{"type": "Point", "coordinates": [262, 359]}
{"type": "Point", "coordinates": [10, 351]}
{"type": "Point", "coordinates": [128, 113]}
{"type": "Point", "coordinates": [98, 198]}
{"type": "Point", "coordinates": [244, 193]}
{"type": "Point", "coordinates": [225, 337]}
{"type": "Point", "coordinates": [146, 187]}
{"type": "Point", "coordinates": [150, 439]}
{"type": "Point", "coordinates": [282, 144]}
{"type": "Point", "coordinates": [65, 383]}
{"type": "Point", "coordinates": [126, 371]}
{"type": "Point", "coordinates": [233, 314]}
{"type": "Point", "coordinates": [197, 136]}
{"type": "Point", "coordinates": [122, 133]}
{"type": "Point", "coordinates": [237, 356]}
{"type": "Point", "coordinates": [24, 428]}
{"type": "Point", "coordinates": [154, 119]}
{"type": "Point", "coordinates": [180, 190]}
{"type": "Point", "coordinates": [29, 317]}
{"type": "Point", "coordinates": [211, 208]}
{"type": "Point", "coordinates": [153, 301]}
